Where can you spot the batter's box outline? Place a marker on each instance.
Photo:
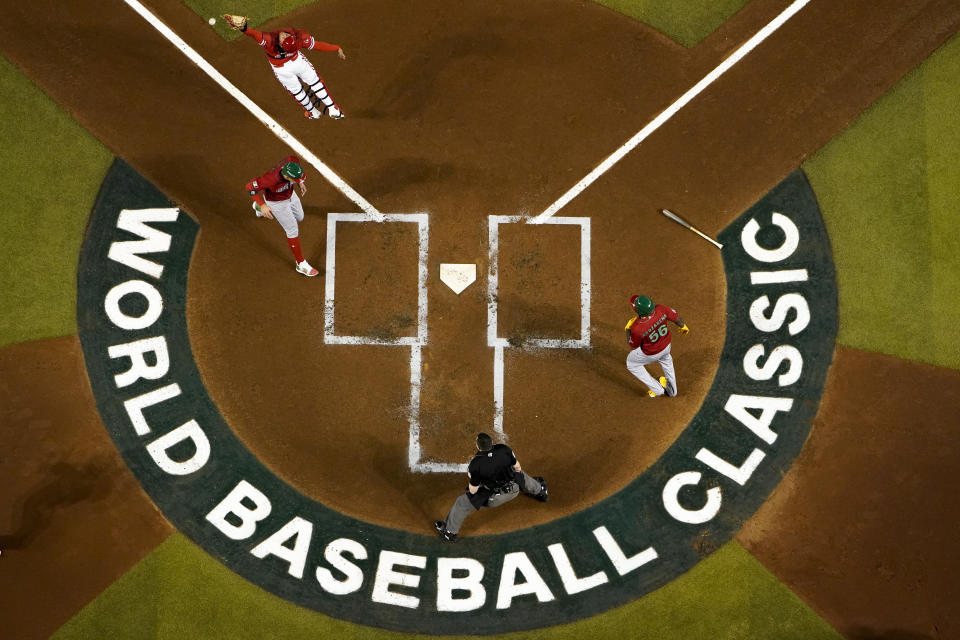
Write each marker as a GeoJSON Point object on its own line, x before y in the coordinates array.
{"type": "Point", "coordinates": [493, 286]}
{"type": "Point", "coordinates": [422, 221]}
{"type": "Point", "coordinates": [416, 343]}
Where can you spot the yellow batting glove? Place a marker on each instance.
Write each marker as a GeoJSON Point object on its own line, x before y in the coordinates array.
{"type": "Point", "coordinates": [630, 324]}
{"type": "Point", "coordinates": [684, 330]}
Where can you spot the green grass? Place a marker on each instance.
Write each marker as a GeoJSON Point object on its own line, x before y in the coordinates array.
{"type": "Point", "coordinates": [684, 21]}
{"type": "Point", "coordinates": [179, 592]}
{"type": "Point", "coordinates": [258, 11]}
{"type": "Point", "coordinates": [53, 171]}
{"type": "Point", "coordinates": [889, 188]}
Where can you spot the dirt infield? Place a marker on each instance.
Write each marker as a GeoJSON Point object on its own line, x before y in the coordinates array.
{"type": "Point", "coordinates": [492, 111]}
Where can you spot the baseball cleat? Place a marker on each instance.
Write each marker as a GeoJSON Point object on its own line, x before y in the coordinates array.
{"type": "Point", "coordinates": [336, 114]}
{"type": "Point", "coordinates": [305, 268]}
{"type": "Point", "coordinates": [663, 383]}
{"type": "Point", "coordinates": [651, 393]}
{"type": "Point", "coordinates": [312, 114]}
{"type": "Point", "coordinates": [441, 528]}
{"type": "Point", "coordinates": [256, 210]}
{"type": "Point", "coordinates": [543, 495]}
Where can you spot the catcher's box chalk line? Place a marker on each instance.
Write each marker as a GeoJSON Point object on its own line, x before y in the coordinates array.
{"type": "Point", "coordinates": [670, 111]}
{"type": "Point", "coordinates": [257, 112]}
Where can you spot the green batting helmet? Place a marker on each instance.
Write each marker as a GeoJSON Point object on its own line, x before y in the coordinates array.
{"type": "Point", "coordinates": [642, 305]}
{"type": "Point", "coordinates": [292, 170]}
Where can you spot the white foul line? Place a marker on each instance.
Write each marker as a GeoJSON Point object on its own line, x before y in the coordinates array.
{"type": "Point", "coordinates": [670, 111]}
{"type": "Point", "coordinates": [257, 112]}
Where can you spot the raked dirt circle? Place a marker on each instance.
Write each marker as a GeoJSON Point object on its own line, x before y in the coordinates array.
{"type": "Point", "coordinates": [694, 497]}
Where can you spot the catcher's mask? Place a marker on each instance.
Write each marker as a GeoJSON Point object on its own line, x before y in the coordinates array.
{"type": "Point", "coordinates": [289, 44]}
{"type": "Point", "coordinates": [292, 171]}
{"type": "Point", "coordinates": [642, 305]}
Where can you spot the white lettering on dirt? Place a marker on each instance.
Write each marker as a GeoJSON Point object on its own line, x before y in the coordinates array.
{"type": "Point", "coordinates": [353, 575]}
{"type": "Point", "coordinates": [298, 529]}
{"type": "Point", "coordinates": [514, 563]}
{"type": "Point", "coordinates": [470, 583]}
{"type": "Point", "coordinates": [233, 507]}
{"type": "Point", "coordinates": [679, 513]}
{"type": "Point", "coordinates": [386, 576]}
{"type": "Point", "coordinates": [111, 305]}
{"type": "Point", "coordinates": [126, 252]}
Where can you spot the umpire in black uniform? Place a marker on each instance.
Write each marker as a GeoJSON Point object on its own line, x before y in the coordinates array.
{"type": "Point", "coordinates": [495, 478]}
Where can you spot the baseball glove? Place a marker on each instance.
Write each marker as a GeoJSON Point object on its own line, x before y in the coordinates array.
{"type": "Point", "coordinates": [238, 23]}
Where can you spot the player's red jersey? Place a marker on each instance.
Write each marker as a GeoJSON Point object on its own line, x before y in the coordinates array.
{"type": "Point", "coordinates": [651, 333]}
{"type": "Point", "coordinates": [274, 186]}
{"type": "Point", "coordinates": [270, 41]}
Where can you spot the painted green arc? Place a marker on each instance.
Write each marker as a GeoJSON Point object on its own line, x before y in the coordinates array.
{"type": "Point", "coordinates": [634, 516]}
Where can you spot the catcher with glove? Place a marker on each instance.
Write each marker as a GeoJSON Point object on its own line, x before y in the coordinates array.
{"type": "Point", "coordinates": [649, 338]}
{"type": "Point", "coordinates": [291, 67]}
{"type": "Point", "coordinates": [237, 23]}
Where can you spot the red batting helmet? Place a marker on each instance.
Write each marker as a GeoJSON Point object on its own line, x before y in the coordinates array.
{"type": "Point", "coordinates": [289, 44]}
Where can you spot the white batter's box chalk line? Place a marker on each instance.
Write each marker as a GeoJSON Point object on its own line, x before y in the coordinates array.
{"type": "Point", "coordinates": [493, 287]}
{"type": "Point", "coordinates": [416, 343]}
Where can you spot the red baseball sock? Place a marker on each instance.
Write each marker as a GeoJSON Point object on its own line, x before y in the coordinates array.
{"type": "Point", "coordinates": [294, 244]}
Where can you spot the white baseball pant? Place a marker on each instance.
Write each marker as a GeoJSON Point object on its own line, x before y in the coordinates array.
{"type": "Point", "coordinates": [636, 364]}
{"type": "Point", "coordinates": [288, 213]}
{"type": "Point", "coordinates": [292, 72]}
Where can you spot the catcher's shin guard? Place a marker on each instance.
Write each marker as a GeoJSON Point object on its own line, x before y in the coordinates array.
{"type": "Point", "coordinates": [319, 92]}
{"type": "Point", "coordinates": [303, 98]}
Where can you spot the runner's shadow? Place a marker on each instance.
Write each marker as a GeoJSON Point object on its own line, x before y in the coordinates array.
{"type": "Point", "coordinates": [399, 173]}
{"type": "Point", "coordinates": [607, 358]}
{"type": "Point", "coordinates": [415, 86]}
{"type": "Point", "coordinates": [65, 484]}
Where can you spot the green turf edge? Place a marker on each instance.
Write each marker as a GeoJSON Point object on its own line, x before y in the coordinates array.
{"type": "Point", "coordinates": [53, 169]}
{"type": "Point", "coordinates": [888, 187]}
{"type": "Point", "coordinates": [179, 592]}
{"type": "Point", "coordinates": [686, 22]}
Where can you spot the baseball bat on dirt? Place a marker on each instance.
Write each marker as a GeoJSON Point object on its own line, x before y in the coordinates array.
{"type": "Point", "coordinates": [686, 224]}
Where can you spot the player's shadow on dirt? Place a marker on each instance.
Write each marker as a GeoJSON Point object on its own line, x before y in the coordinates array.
{"type": "Point", "coordinates": [400, 173]}
{"type": "Point", "coordinates": [608, 358]}
{"type": "Point", "coordinates": [64, 484]}
{"type": "Point", "coordinates": [415, 86]}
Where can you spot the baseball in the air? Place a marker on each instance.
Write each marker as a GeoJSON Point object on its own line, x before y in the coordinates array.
{"type": "Point", "coordinates": [212, 21]}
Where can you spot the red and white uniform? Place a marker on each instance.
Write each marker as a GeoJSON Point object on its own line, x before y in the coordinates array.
{"type": "Point", "coordinates": [650, 342]}
{"type": "Point", "coordinates": [292, 67]}
{"type": "Point", "coordinates": [651, 333]}
{"type": "Point", "coordinates": [279, 194]}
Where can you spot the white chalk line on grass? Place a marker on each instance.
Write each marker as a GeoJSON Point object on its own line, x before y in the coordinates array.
{"type": "Point", "coordinates": [670, 111]}
{"type": "Point", "coordinates": [261, 115]}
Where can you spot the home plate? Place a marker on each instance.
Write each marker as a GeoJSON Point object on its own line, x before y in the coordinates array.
{"type": "Point", "coordinates": [458, 276]}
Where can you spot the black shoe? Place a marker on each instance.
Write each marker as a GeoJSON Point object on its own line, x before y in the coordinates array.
{"type": "Point", "coordinates": [543, 495]}
{"type": "Point", "coordinates": [441, 528]}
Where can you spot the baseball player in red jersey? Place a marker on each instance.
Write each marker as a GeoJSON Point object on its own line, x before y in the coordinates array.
{"type": "Point", "coordinates": [278, 201]}
{"type": "Point", "coordinates": [290, 65]}
{"type": "Point", "coordinates": [649, 337]}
